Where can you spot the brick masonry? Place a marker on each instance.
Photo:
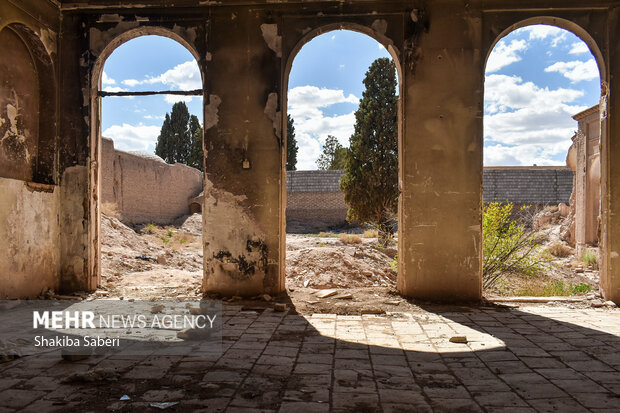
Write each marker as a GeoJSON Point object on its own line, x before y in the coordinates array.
{"type": "Point", "coordinates": [142, 188]}
{"type": "Point", "coordinates": [314, 199]}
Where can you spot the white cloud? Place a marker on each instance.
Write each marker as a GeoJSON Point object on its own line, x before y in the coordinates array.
{"type": "Point", "coordinates": [184, 76]}
{"type": "Point", "coordinates": [503, 92]}
{"type": "Point", "coordinates": [172, 99]}
{"type": "Point", "coordinates": [133, 137]}
{"type": "Point", "coordinates": [114, 89]}
{"type": "Point", "coordinates": [107, 80]}
{"type": "Point", "coordinates": [525, 124]}
{"type": "Point", "coordinates": [312, 126]}
{"type": "Point", "coordinates": [541, 32]}
{"type": "Point", "coordinates": [532, 154]}
{"type": "Point", "coordinates": [576, 70]}
{"type": "Point", "coordinates": [154, 117]}
{"type": "Point", "coordinates": [380, 46]}
{"type": "Point", "coordinates": [505, 54]}
{"type": "Point", "coordinates": [131, 82]}
{"type": "Point", "coordinates": [579, 48]}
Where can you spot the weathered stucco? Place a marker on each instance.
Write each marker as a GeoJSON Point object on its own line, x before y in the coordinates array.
{"type": "Point", "coordinates": [30, 258]}
{"type": "Point", "coordinates": [245, 50]}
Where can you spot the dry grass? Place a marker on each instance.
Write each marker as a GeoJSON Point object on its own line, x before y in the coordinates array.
{"type": "Point", "coordinates": [370, 233]}
{"type": "Point", "coordinates": [350, 238]}
{"type": "Point", "coordinates": [560, 250]}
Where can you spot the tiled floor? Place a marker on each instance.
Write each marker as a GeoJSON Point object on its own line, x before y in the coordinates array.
{"type": "Point", "coordinates": [528, 359]}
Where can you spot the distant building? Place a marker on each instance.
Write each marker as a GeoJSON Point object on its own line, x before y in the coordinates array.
{"type": "Point", "coordinates": [315, 202]}
{"type": "Point", "coordinates": [584, 159]}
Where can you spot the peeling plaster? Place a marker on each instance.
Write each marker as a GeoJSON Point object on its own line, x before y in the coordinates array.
{"type": "Point", "coordinates": [15, 139]}
{"type": "Point", "coordinates": [272, 113]}
{"type": "Point", "coordinates": [235, 263]}
{"type": "Point", "coordinates": [49, 38]}
{"type": "Point", "coordinates": [211, 112]}
{"type": "Point", "coordinates": [99, 39]}
{"type": "Point", "coordinates": [270, 34]}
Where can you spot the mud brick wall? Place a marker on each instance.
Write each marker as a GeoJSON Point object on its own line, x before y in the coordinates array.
{"type": "Point", "coordinates": [144, 189]}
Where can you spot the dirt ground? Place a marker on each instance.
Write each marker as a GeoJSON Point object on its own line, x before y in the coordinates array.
{"type": "Point", "coordinates": [324, 274]}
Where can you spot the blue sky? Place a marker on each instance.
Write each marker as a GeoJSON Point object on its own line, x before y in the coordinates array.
{"type": "Point", "coordinates": [537, 78]}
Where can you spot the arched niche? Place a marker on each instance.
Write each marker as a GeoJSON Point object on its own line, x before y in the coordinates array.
{"type": "Point", "coordinates": [27, 107]}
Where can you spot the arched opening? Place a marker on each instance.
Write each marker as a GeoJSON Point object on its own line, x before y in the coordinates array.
{"type": "Point", "coordinates": [329, 72]}
{"type": "Point", "coordinates": [27, 111]}
{"type": "Point", "coordinates": [542, 134]}
{"type": "Point", "coordinates": [150, 145]}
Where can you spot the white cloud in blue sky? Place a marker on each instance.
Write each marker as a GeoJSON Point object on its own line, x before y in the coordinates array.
{"type": "Point", "coordinates": [537, 77]}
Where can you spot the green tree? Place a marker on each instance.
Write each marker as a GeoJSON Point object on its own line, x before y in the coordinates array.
{"type": "Point", "coordinates": [334, 155]}
{"type": "Point", "coordinates": [196, 154]}
{"type": "Point", "coordinates": [370, 184]}
{"type": "Point", "coordinates": [180, 138]}
{"type": "Point", "coordinates": [291, 145]}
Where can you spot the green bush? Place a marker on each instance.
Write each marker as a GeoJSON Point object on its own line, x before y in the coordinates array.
{"type": "Point", "coordinates": [507, 246]}
{"type": "Point", "coordinates": [589, 257]}
{"type": "Point", "coordinates": [394, 263]}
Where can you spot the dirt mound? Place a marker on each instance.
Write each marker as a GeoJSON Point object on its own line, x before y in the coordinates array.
{"type": "Point", "coordinates": [329, 263]}
{"type": "Point", "coordinates": [191, 224]}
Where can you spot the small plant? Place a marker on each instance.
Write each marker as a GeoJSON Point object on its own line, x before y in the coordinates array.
{"type": "Point", "coordinates": [321, 244]}
{"type": "Point", "coordinates": [326, 234]}
{"type": "Point", "coordinates": [370, 233]}
{"type": "Point", "coordinates": [589, 257]}
{"type": "Point", "coordinates": [165, 240]}
{"type": "Point", "coordinates": [170, 232]}
{"type": "Point", "coordinates": [508, 246]}
{"type": "Point", "coordinates": [581, 288]}
{"type": "Point", "coordinates": [560, 250]}
{"type": "Point", "coordinates": [554, 289]}
{"type": "Point", "coordinates": [150, 228]}
{"type": "Point", "coordinates": [350, 238]}
{"type": "Point", "coordinates": [394, 263]}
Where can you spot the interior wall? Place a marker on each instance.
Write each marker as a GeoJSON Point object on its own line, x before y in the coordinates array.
{"type": "Point", "coordinates": [19, 108]}
{"type": "Point", "coordinates": [29, 201]}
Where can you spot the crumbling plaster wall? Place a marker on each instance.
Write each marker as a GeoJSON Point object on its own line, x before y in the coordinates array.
{"type": "Point", "coordinates": [441, 45]}
{"type": "Point", "coordinates": [30, 258]}
{"type": "Point", "coordinates": [30, 261]}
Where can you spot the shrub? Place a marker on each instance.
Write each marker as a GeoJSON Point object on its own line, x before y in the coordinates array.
{"type": "Point", "coordinates": [150, 228]}
{"type": "Point", "coordinates": [370, 233]}
{"type": "Point", "coordinates": [507, 246]}
{"type": "Point", "coordinates": [394, 263]}
{"type": "Point", "coordinates": [165, 240]}
{"type": "Point", "coordinates": [560, 250]}
{"type": "Point", "coordinates": [350, 238]}
{"type": "Point", "coordinates": [326, 234]}
{"type": "Point", "coordinates": [554, 289]}
{"type": "Point", "coordinates": [589, 257]}
{"type": "Point", "coordinates": [170, 232]}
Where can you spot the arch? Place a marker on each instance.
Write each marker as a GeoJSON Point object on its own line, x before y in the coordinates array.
{"type": "Point", "coordinates": [96, 73]}
{"type": "Point", "coordinates": [97, 70]}
{"type": "Point", "coordinates": [41, 164]}
{"type": "Point", "coordinates": [355, 27]}
{"type": "Point", "coordinates": [294, 51]}
{"type": "Point", "coordinates": [562, 24]}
